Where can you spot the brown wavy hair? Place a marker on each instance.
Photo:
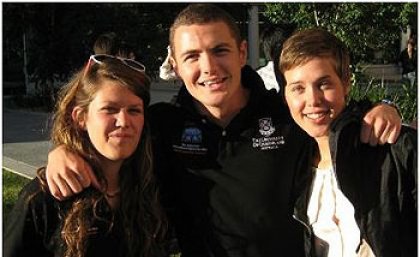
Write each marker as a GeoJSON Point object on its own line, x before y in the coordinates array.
{"type": "Point", "coordinates": [143, 220]}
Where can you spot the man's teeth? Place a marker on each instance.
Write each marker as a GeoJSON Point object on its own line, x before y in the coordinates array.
{"type": "Point", "coordinates": [211, 82]}
{"type": "Point", "coordinates": [315, 116]}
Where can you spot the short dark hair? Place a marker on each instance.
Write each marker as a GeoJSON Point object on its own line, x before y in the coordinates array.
{"type": "Point", "coordinates": [411, 41]}
{"type": "Point", "coordinates": [203, 14]}
{"type": "Point", "coordinates": [272, 39]}
{"type": "Point", "coordinates": [106, 44]}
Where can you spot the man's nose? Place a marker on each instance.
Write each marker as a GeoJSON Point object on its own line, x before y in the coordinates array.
{"type": "Point", "coordinates": [208, 63]}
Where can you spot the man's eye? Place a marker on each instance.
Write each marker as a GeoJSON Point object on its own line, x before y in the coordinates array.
{"type": "Point", "coordinates": [191, 57]}
{"type": "Point", "coordinates": [136, 110]}
{"type": "Point", "coordinates": [297, 89]}
{"type": "Point", "coordinates": [221, 51]}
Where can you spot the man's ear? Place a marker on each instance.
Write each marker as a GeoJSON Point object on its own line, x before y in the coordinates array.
{"type": "Point", "coordinates": [347, 88]}
{"type": "Point", "coordinates": [173, 64]}
{"type": "Point", "coordinates": [243, 52]}
{"type": "Point", "coordinates": [78, 116]}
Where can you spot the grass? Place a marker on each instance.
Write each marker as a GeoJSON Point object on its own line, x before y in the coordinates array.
{"type": "Point", "coordinates": [12, 184]}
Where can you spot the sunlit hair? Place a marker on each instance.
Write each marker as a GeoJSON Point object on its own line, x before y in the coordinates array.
{"type": "Point", "coordinates": [142, 218]}
{"type": "Point", "coordinates": [203, 14]}
{"type": "Point", "coordinates": [308, 44]}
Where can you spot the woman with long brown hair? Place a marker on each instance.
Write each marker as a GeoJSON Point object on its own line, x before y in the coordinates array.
{"type": "Point", "coordinates": [101, 115]}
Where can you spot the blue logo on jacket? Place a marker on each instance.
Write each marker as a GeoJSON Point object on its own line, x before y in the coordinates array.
{"type": "Point", "coordinates": [191, 142]}
{"type": "Point", "coordinates": [192, 136]}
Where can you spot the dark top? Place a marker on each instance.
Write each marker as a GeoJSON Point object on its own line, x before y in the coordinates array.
{"type": "Point", "coordinates": [408, 65]}
{"type": "Point", "coordinates": [228, 192]}
{"type": "Point", "coordinates": [380, 182]}
{"type": "Point", "coordinates": [34, 227]}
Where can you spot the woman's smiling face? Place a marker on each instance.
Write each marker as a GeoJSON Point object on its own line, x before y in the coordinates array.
{"type": "Point", "coordinates": [315, 95]}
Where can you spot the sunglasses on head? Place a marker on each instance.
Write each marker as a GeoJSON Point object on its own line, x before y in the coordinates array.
{"type": "Point", "coordinates": [100, 58]}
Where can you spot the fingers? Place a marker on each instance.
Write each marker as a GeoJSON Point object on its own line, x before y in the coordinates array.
{"type": "Point", "coordinates": [82, 178]}
{"type": "Point", "coordinates": [365, 132]}
{"type": "Point", "coordinates": [65, 190]}
{"type": "Point", "coordinates": [69, 183]}
{"type": "Point", "coordinates": [381, 132]}
{"type": "Point", "coordinates": [53, 187]}
{"type": "Point", "coordinates": [378, 130]}
{"type": "Point", "coordinates": [381, 125]}
{"type": "Point", "coordinates": [384, 138]}
{"type": "Point", "coordinates": [92, 178]}
{"type": "Point", "coordinates": [387, 131]}
{"type": "Point", "coordinates": [67, 173]}
{"type": "Point", "coordinates": [393, 135]}
{"type": "Point", "coordinates": [62, 187]}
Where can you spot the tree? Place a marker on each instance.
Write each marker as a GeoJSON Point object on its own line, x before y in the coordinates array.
{"type": "Point", "coordinates": [60, 36]}
{"type": "Point", "coordinates": [364, 27]}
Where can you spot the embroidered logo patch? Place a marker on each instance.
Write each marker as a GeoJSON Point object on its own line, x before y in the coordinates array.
{"type": "Point", "coordinates": [267, 141]}
{"type": "Point", "coordinates": [192, 135]}
{"type": "Point", "coordinates": [266, 127]}
{"type": "Point", "coordinates": [191, 142]}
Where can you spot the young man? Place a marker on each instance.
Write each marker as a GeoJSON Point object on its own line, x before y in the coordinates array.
{"type": "Point", "coordinates": [225, 151]}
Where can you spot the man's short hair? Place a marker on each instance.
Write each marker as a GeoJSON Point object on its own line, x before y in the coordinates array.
{"type": "Point", "coordinates": [203, 14]}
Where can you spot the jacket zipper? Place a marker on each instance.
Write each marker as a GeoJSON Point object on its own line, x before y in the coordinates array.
{"type": "Point", "coordinates": [302, 222]}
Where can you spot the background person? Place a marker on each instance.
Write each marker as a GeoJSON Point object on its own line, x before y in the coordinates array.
{"type": "Point", "coordinates": [101, 116]}
{"type": "Point", "coordinates": [359, 200]}
{"type": "Point", "coordinates": [166, 71]}
{"type": "Point", "coordinates": [272, 39]}
{"type": "Point", "coordinates": [106, 43]}
{"type": "Point", "coordinates": [408, 60]}
{"type": "Point", "coordinates": [109, 43]}
{"type": "Point", "coordinates": [225, 151]}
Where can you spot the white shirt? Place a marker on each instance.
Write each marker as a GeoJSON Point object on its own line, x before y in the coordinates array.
{"type": "Point", "coordinates": [268, 76]}
{"type": "Point", "coordinates": [331, 216]}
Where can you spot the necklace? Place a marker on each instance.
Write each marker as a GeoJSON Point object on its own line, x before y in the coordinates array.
{"type": "Point", "coordinates": [113, 194]}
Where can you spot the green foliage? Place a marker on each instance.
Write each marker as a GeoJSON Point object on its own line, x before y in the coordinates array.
{"type": "Point", "coordinates": [407, 102]}
{"type": "Point", "coordinates": [349, 22]}
{"type": "Point", "coordinates": [60, 36]}
{"type": "Point", "coordinates": [403, 95]}
{"type": "Point", "coordinates": [12, 184]}
{"type": "Point", "coordinates": [364, 28]}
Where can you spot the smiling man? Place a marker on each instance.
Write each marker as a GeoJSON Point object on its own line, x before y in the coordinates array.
{"type": "Point", "coordinates": [229, 192]}
{"type": "Point", "coordinates": [209, 61]}
{"type": "Point", "coordinates": [225, 152]}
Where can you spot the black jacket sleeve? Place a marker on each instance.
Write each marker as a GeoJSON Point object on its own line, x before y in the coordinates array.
{"type": "Point", "coordinates": [28, 231]}
{"type": "Point", "coordinates": [404, 154]}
